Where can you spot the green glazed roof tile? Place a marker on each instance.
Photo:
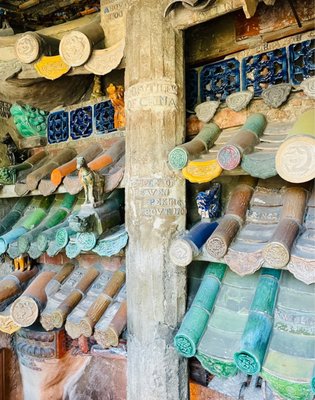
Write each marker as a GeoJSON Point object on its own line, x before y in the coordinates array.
{"type": "Point", "coordinates": [293, 369]}
{"type": "Point", "coordinates": [290, 354]}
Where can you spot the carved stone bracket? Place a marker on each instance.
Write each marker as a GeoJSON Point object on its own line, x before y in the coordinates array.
{"type": "Point", "coordinates": [239, 100]}
{"type": "Point", "coordinates": [308, 87]}
{"type": "Point", "coordinates": [206, 110]}
{"type": "Point", "coordinates": [275, 95]}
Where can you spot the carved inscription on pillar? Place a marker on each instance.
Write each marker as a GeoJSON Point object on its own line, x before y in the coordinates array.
{"type": "Point", "coordinates": [152, 95]}
{"type": "Point", "coordinates": [115, 9]}
{"type": "Point", "coordinates": [156, 197]}
{"type": "Point", "coordinates": [113, 20]}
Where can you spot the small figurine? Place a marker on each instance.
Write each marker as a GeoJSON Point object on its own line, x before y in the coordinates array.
{"type": "Point", "coordinates": [116, 95]}
{"type": "Point", "coordinates": [5, 28]}
{"type": "Point", "coordinates": [97, 88]}
{"type": "Point", "coordinates": [208, 202]}
{"type": "Point", "coordinates": [92, 182]}
{"type": "Point", "coordinates": [22, 263]}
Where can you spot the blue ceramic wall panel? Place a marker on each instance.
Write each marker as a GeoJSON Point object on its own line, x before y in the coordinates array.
{"type": "Point", "coordinates": [262, 70]}
{"type": "Point", "coordinates": [220, 79]}
{"type": "Point", "coordinates": [58, 127]}
{"type": "Point", "coordinates": [302, 61]}
{"type": "Point", "coordinates": [104, 117]}
{"type": "Point", "coordinates": [81, 123]}
{"type": "Point", "coordinates": [191, 89]}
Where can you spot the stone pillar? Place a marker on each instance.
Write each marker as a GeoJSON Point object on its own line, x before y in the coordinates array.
{"type": "Point", "coordinates": [155, 202]}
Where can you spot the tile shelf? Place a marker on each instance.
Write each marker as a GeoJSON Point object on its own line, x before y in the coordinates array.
{"type": "Point", "coordinates": [7, 191]}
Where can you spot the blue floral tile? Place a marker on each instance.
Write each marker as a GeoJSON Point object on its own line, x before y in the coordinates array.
{"type": "Point", "coordinates": [191, 89]}
{"type": "Point", "coordinates": [104, 117]}
{"type": "Point", "coordinates": [261, 70]}
{"type": "Point", "coordinates": [58, 127]}
{"type": "Point", "coordinates": [219, 79]}
{"type": "Point", "coordinates": [302, 61]}
{"type": "Point", "coordinates": [81, 123]}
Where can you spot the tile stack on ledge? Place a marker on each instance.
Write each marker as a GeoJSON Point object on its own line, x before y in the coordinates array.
{"type": "Point", "coordinates": [258, 324]}
{"type": "Point", "coordinates": [57, 296]}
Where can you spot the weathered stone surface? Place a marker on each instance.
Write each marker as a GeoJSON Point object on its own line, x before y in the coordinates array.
{"type": "Point", "coordinates": [276, 95]}
{"type": "Point", "coordinates": [104, 377]}
{"type": "Point", "coordinates": [155, 371]}
{"type": "Point", "coordinates": [239, 100]}
{"type": "Point", "coordinates": [45, 94]}
{"type": "Point", "coordinates": [9, 68]}
{"type": "Point", "coordinates": [205, 111]}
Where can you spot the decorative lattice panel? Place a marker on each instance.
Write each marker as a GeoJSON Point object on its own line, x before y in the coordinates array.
{"type": "Point", "coordinates": [104, 117]}
{"type": "Point", "coordinates": [81, 123]}
{"type": "Point", "coordinates": [302, 61]}
{"type": "Point", "coordinates": [58, 127]}
{"type": "Point", "coordinates": [219, 79]}
{"type": "Point", "coordinates": [261, 70]}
